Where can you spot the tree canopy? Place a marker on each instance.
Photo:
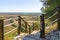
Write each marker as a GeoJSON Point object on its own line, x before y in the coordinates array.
{"type": "Point", "coordinates": [50, 5]}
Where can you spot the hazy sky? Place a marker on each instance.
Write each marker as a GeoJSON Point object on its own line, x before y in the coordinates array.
{"type": "Point", "coordinates": [20, 5]}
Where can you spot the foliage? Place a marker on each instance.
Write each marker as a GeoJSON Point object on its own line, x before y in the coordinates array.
{"type": "Point", "coordinates": [22, 30]}
{"type": "Point", "coordinates": [11, 21]}
{"type": "Point", "coordinates": [37, 25]}
{"type": "Point", "coordinates": [51, 4]}
{"type": "Point", "coordinates": [14, 25]}
{"type": "Point", "coordinates": [23, 24]}
{"type": "Point", "coordinates": [49, 9]}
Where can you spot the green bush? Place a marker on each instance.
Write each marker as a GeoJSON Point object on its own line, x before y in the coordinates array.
{"type": "Point", "coordinates": [14, 25]}
{"type": "Point", "coordinates": [36, 25]}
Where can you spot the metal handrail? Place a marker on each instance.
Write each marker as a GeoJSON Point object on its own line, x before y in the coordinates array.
{"type": "Point", "coordinates": [52, 16]}
{"type": "Point", "coordinates": [52, 22]}
{"type": "Point", "coordinates": [55, 9]}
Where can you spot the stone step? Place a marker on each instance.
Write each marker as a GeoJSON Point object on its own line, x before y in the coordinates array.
{"type": "Point", "coordinates": [50, 36]}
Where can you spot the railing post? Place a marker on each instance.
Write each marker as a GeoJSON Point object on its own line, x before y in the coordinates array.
{"type": "Point", "coordinates": [42, 28]}
{"type": "Point", "coordinates": [58, 18]}
{"type": "Point", "coordinates": [1, 29]}
{"type": "Point", "coordinates": [33, 27]}
{"type": "Point", "coordinates": [25, 27]}
{"type": "Point", "coordinates": [29, 29]}
{"type": "Point", "coordinates": [19, 25]}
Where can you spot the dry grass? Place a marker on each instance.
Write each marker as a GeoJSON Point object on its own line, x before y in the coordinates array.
{"type": "Point", "coordinates": [11, 35]}
{"type": "Point", "coordinates": [51, 27]}
{"type": "Point", "coordinates": [8, 28]}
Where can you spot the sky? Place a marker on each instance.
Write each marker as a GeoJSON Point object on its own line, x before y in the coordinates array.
{"type": "Point", "coordinates": [20, 5]}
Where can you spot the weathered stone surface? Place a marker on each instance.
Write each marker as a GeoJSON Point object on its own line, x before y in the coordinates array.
{"type": "Point", "coordinates": [54, 35]}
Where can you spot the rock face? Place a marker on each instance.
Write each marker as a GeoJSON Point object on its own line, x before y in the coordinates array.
{"type": "Point", "coordinates": [54, 35]}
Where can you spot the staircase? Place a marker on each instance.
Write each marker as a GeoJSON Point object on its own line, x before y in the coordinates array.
{"type": "Point", "coordinates": [53, 35]}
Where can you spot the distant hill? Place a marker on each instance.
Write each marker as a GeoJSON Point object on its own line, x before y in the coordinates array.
{"type": "Point", "coordinates": [21, 13]}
